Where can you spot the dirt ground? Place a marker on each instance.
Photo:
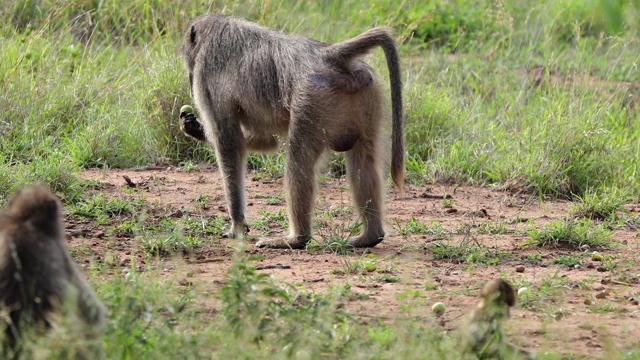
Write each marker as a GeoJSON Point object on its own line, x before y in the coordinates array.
{"type": "Point", "coordinates": [585, 310]}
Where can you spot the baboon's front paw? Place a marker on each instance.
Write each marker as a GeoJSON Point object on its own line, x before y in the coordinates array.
{"type": "Point", "coordinates": [296, 243]}
{"type": "Point", "coordinates": [365, 242]}
{"type": "Point", "coordinates": [191, 126]}
{"type": "Point", "coordinates": [237, 232]}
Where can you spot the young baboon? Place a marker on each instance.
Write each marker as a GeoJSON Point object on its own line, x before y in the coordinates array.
{"type": "Point", "coordinates": [39, 283]}
{"type": "Point", "coordinates": [482, 334]}
{"type": "Point", "coordinates": [253, 85]}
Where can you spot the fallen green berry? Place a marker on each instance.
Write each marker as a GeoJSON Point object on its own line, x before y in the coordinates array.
{"type": "Point", "coordinates": [439, 308]}
{"type": "Point", "coordinates": [596, 256]}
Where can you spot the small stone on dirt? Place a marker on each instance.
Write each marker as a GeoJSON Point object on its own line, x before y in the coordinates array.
{"type": "Point", "coordinates": [602, 294]}
{"type": "Point", "coordinates": [592, 344]}
{"type": "Point", "coordinates": [78, 233]}
{"type": "Point", "coordinates": [520, 268]}
{"type": "Point", "coordinates": [481, 213]}
{"type": "Point", "coordinates": [589, 302]}
{"type": "Point", "coordinates": [128, 181]}
{"type": "Point", "coordinates": [601, 269]}
{"type": "Point", "coordinates": [185, 282]}
{"type": "Point", "coordinates": [368, 286]}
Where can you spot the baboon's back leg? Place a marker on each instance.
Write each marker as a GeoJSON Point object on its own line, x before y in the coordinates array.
{"type": "Point", "coordinates": [365, 179]}
{"type": "Point", "coordinates": [230, 155]}
{"type": "Point", "coordinates": [303, 154]}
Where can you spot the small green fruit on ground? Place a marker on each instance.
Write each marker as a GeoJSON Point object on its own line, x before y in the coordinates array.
{"type": "Point", "coordinates": [186, 109]}
{"type": "Point", "coordinates": [523, 291]}
{"type": "Point", "coordinates": [596, 256]}
{"type": "Point", "coordinates": [370, 265]}
{"type": "Point", "coordinates": [438, 308]}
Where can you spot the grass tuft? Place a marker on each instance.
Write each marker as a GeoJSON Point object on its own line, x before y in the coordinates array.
{"type": "Point", "coordinates": [599, 205]}
{"type": "Point", "coordinates": [572, 233]}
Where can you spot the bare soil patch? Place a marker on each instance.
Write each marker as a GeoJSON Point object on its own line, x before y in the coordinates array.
{"type": "Point", "coordinates": [566, 313]}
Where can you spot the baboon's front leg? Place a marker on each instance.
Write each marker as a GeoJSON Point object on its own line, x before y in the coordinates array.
{"type": "Point", "coordinates": [230, 153]}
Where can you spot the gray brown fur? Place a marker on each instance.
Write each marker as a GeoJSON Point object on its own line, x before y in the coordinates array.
{"type": "Point", "coordinates": [482, 334]}
{"type": "Point", "coordinates": [254, 86]}
{"type": "Point", "coordinates": [38, 279]}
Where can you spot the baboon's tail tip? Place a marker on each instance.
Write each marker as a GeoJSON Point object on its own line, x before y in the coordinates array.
{"type": "Point", "coordinates": [398, 180]}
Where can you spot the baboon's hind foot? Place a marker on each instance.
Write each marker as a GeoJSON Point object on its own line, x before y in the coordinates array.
{"type": "Point", "coordinates": [364, 241]}
{"type": "Point", "coordinates": [299, 242]}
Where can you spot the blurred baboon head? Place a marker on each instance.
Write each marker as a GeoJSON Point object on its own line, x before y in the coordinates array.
{"type": "Point", "coordinates": [39, 283]}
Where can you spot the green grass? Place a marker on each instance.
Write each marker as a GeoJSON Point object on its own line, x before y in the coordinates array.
{"type": "Point", "coordinates": [533, 95]}
{"type": "Point", "coordinates": [569, 260]}
{"type": "Point", "coordinates": [367, 263]}
{"type": "Point", "coordinates": [466, 251]}
{"type": "Point", "coordinates": [493, 227]}
{"type": "Point", "coordinates": [573, 234]}
{"type": "Point", "coordinates": [101, 206]}
{"type": "Point", "coordinates": [547, 295]}
{"type": "Point", "coordinates": [154, 319]}
{"type": "Point", "coordinates": [334, 241]}
{"type": "Point", "coordinates": [599, 205]}
{"type": "Point", "coordinates": [415, 226]}
{"type": "Point", "coordinates": [167, 236]}
{"type": "Point", "coordinates": [157, 233]}
{"type": "Point", "coordinates": [270, 221]}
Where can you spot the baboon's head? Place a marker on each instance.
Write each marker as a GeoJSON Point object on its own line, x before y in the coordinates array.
{"type": "Point", "coordinates": [188, 50]}
{"type": "Point", "coordinates": [200, 37]}
{"type": "Point", "coordinates": [35, 206]}
{"type": "Point", "coordinates": [192, 40]}
{"type": "Point", "coordinates": [498, 296]}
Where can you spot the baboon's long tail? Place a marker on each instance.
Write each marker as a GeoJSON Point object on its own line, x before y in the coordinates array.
{"type": "Point", "coordinates": [342, 53]}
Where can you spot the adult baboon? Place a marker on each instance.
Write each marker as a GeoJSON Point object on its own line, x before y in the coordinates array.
{"type": "Point", "coordinates": [39, 284]}
{"type": "Point", "coordinates": [482, 334]}
{"type": "Point", "coordinates": [253, 85]}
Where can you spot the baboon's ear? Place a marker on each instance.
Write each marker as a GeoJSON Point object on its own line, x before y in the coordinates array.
{"type": "Point", "coordinates": [193, 34]}
{"type": "Point", "coordinates": [52, 208]}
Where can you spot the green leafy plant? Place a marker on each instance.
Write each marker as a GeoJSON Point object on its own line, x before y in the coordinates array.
{"type": "Point", "coordinates": [599, 205]}
{"type": "Point", "coordinates": [568, 260]}
{"type": "Point", "coordinates": [570, 233]}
